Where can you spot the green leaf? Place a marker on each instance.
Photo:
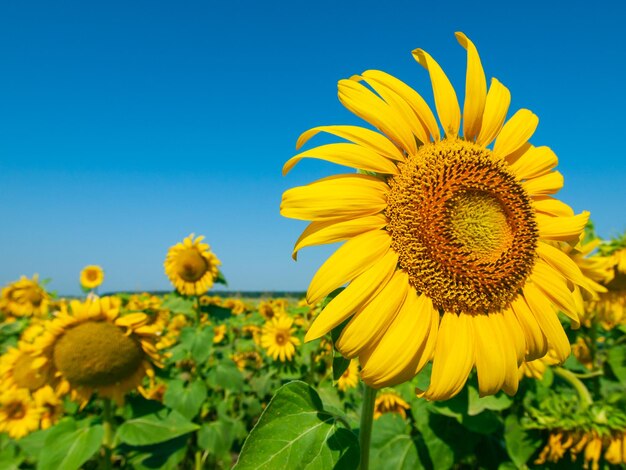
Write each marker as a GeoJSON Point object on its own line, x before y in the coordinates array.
{"type": "Point", "coordinates": [392, 445]}
{"type": "Point", "coordinates": [186, 400]}
{"type": "Point", "coordinates": [34, 443]}
{"type": "Point", "coordinates": [164, 456]}
{"type": "Point", "coordinates": [617, 361]}
{"type": "Point", "coordinates": [225, 375]}
{"type": "Point", "coordinates": [216, 437]}
{"type": "Point", "coordinates": [10, 458]}
{"type": "Point", "coordinates": [216, 312]}
{"type": "Point", "coordinates": [496, 402]}
{"type": "Point", "coordinates": [486, 422]}
{"type": "Point", "coordinates": [154, 428]}
{"type": "Point", "coordinates": [68, 446]}
{"type": "Point", "coordinates": [340, 364]}
{"type": "Point", "coordinates": [295, 431]}
{"type": "Point", "coordinates": [220, 279]}
{"type": "Point", "coordinates": [198, 342]}
{"type": "Point", "coordinates": [521, 444]}
{"type": "Point", "coordinates": [178, 304]}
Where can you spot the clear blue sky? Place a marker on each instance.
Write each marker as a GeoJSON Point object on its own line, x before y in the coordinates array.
{"type": "Point", "coordinates": [124, 126]}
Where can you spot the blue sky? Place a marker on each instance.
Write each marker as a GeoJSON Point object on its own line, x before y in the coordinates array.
{"type": "Point", "coordinates": [125, 126]}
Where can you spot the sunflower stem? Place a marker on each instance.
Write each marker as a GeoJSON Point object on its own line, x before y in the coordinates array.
{"type": "Point", "coordinates": [583, 393]}
{"type": "Point", "coordinates": [365, 430]}
{"type": "Point", "coordinates": [107, 439]}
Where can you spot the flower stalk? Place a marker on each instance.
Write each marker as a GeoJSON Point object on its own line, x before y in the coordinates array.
{"type": "Point", "coordinates": [365, 430]}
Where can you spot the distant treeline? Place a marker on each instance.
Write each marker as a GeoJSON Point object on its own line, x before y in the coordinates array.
{"type": "Point", "coordinates": [224, 293]}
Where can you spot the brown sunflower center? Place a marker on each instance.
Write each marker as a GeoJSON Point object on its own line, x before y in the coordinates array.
{"type": "Point", "coordinates": [97, 353]}
{"type": "Point", "coordinates": [15, 410]}
{"type": "Point", "coordinates": [192, 265]}
{"type": "Point", "coordinates": [281, 338]}
{"type": "Point", "coordinates": [25, 376]}
{"type": "Point", "coordinates": [463, 227]}
{"type": "Point", "coordinates": [34, 296]}
{"type": "Point", "coordinates": [92, 275]}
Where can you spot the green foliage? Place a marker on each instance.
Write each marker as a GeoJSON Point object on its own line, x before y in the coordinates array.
{"type": "Point", "coordinates": [392, 444]}
{"type": "Point", "coordinates": [154, 428]}
{"type": "Point", "coordinates": [69, 444]}
{"type": "Point", "coordinates": [187, 399]}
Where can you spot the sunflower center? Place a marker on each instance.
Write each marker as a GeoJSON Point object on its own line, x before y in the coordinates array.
{"type": "Point", "coordinates": [97, 353]}
{"type": "Point", "coordinates": [25, 376]}
{"type": "Point", "coordinates": [35, 297]}
{"type": "Point", "coordinates": [463, 227]}
{"type": "Point", "coordinates": [281, 338]}
{"type": "Point", "coordinates": [15, 410]}
{"type": "Point", "coordinates": [92, 275]}
{"type": "Point", "coordinates": [192, 265]}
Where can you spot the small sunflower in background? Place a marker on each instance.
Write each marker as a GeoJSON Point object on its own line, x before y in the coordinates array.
{"type": "Point", "coordinates": [17, 371]}
{"type": "Point", "coordinates": [91, 277]}
{"type": "Point", "coordinates": [448, 253]}
{"type": "Point", "coordinates": [91, 348]}
{"type": "Point", "coordinates": [350, 377]}
{"type": "Point", "coordinates": [50, 404]}
{"type": "Point", "coordinates": [19, 414]}
{"type": "Point", "coordinates": [24, 298]}
{"type": "Point", "coordinates": [191, 267]}
{"type": "Point", "coordinates": [390, 402]}
{"type": "Point", "coordinates": [278, 338]}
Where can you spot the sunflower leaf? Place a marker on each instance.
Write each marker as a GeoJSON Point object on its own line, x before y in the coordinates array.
{"type": "Point", "coordinates": [69, 446]}
{"type": "Point", "coordinates": [295, 431]}
{"type": "Point", "coordinates": [186, 400]}
{"type": "Point", "coordinates": [521, 444]}
{"type": "Point", "coordinates": [617, 361]}
{"type": "Point", "coordinates": [392, 445]}
{"type": "Point", "coordinates": [154, 428]}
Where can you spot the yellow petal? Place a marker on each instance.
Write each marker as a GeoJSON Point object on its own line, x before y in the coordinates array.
{"type": "Point", "coordinates": [537, 161]}
{"type": "Point", "coordinates": [490, 356]}
{"type": "Point", "coordinates": [359, 135]}
{"type": "Point", "coordinates": [508, 344]}
{"type": "Point", "coordinates": [351, 259]}
{"type": "Point", "coordinates": [515, 133]}
{"type": "Point", "coordinates": [351, 155]}
{"type": "Point", "coordinates": [370, 323]}
{"type": "Point", "coordinates": [445, 97]}
{"type": "Point", "coordinates": [331, 231]}
{"type": "Point", "coordinates": [358, 293]}
{"type": "Point", "coordinates": [536, 341]}
{"type": "Point", "coordinates": [404, 348]}
{"type": "Point", "coordinates": [548, 321]}
{"type": "Point", "coordinates": [516, 334]}
{"type": "Point", "coordinates": [561, 262]}
{"type": "Point", "coordinates": [544, 185]}
{"type": "Point", "coordinates": [496, 107]}
{"type": "Point", "coordinates": [554, 207]}
{"type": "Point", "coordinates": [475, 90]}
{"type": "Point", "coordinates": [554, 287]}
{"type": "Point", "coordinates": [454, 357]}
{"type": "Point", "coordinates": [335, 197]}
{"type": "Point", "coordinates": [565, 229]}
{"type": "Point", "coordinates": [414, 99]}
{"type": "Point", "coordinates": [365, 104]}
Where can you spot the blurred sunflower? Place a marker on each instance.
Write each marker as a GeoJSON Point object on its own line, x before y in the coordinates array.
{"type": "Point", "coordinates": [247, 358]}
{"type": "Point", "coordinates": [278, 338]}
{"type": "Point", "coordinates": [390, 402]}
{"type": "Point", "coordinates": [610, 307]}
{"type": "Point", "coordinates": [191, 266]}
{"type": "Point", "coordinates": [19, 415]}
{"type": "Point", "coordinates": [535, 369]}
{"type": "Point", "coordinates": [24, 298]}
{"type": "Point", "coordinates": [219, 332]}
{"type": "Point", "coordinates": [350, 377]}
{"type": "Point", "coordinates": [236, 306]}
{"type": "Point", "coordinates": [448, 253]}
{"type": "Point", "coordinates": [50, 404]}
{"type": "Point", "coordinates": [17, 371]}
{"type": "Point", "coordinates": [94, 349]}
{"type": "Point", "coordinates": [91, 277]}
{"type": "Point", "coordinates": [560, 442]}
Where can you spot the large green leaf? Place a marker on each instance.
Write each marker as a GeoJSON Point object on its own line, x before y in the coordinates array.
{"type": "Point", "coordinates": [477, 405]}
{"type": "Point", "coordinates": [69, 446]}
{"type": "Point", "coordinates": [225, 375]}
{"type": "Point", "coordinates": [295, 431]}
{"type": "Point", "coordinates": [392, 445]}
{"type": "Point", "coordinates": [10, 458]}
{"type": "Point", "coordinates": [187, 400]}
{"type": "Point", "coordinates": [521, 444]}
{"type": "Point", "coordinates": [163, 456]}
{"type": "Point", "coordinates": [154, 428]}
{"type": "Point", "coordinates": [198, 342]}
{"type": "Point", "coordinates": [617, 361]}
{"type": "Point", "coordinates": [216, 437]}
{"type": "Point", "coordinates": [179, 304]}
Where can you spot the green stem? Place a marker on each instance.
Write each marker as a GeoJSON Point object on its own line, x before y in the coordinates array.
{"type": "Point", "coordinates": [365, 431]}
{"type": "Point", "coordinates": [107, 439]}
{"type": "Point", "coordinates": [589, 375]}
{"type": "Point", "coordinates": [198, 460]}
{"type": "Point", "coordinates": [198, 310]}
{"type": "Point", "coordinates": [583, 393]}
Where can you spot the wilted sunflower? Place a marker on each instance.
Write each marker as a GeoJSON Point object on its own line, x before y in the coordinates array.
{"type": "Point", "coordinates": [350, 377]}
{"type": "Point", "coordinates": [94, 349]}
{"type": "Point", "coordinates": [446, 255]}
{"type": "Point", "coordinates": [390, 402]}
{"type": "Point", "coordinates": [278, 338]}
{"type": "Point", "coordinates": [191, 266]}
{"type": "Point", "coordinates": [24, 298]}
{"type": "Point", "coordinates": [19, 415]}
{"type": "Point", "coordinates": [560, 442]}
{"type": "Point", "coordinates": [91, 276]}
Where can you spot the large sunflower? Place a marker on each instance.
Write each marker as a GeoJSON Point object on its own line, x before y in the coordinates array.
{"type": "Point", "coordinates": [191, 266]}
{"type": "Point", "coordinates": [93, 349]}
{"type": "Point", "coordinates": [447, 255]}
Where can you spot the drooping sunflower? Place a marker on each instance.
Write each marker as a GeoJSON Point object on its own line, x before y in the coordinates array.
{"type": "Point", "coordinates": [350, 377]}
{"type": "Point", "coordinates": [278, 338]}
{"type": "Point", "coordinates": [91, 348]}
{"type": "Point", "coordinates": [390, 402]}
{"type": "Point", "coordinates": [191, 266]}
{"type": "Point", "coordinates": [91, 276]}
{"type": "Point", "coordinates": [19, 415]}
{"type": "Point", "coordinates": [446, 255]}
{"type": "Point", "coordinates": [24, 298]}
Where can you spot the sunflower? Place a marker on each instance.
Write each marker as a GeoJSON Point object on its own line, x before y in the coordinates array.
{"type": "Point", "coordinates": [390, 402]}
{"type": "Point", "coordinates": [278, 338]}
{"type": "Point", "coordinates": [91, 276]}
{"type": "Point", "coordinates": [247, 358]}
{"type": "Point", "coordinates": [17, 371]}
{"type": "Point", "coordinates": [191, 266]}
{"type": "Point", "coordinates": [350, 377]}
{"type": "Point", "coordinates": [447, 254]}
{"type": "Point", "coordinates": [535, 369]}
{"type": "Point", "coordinates": [219, 332]}
{"type": "Point", "coordinates": [18, 413]}
{"type": "Point", "coordinates": [560, 442]}
{"type": "Point", "coordinates": [94, 349]}
{"type": "Point", "coordinates": [50, 404]}
{"type": "Point", "coordinates": [610, 307]}
{"type": "Point", "coordinates": [236, 306]}
{"type": "Point", "coordinates": [24, 298]}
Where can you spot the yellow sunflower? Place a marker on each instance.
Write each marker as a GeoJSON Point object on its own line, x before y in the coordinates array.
{"type": "Point", "coordinates": [236, 306]}
{"type": "Point", "coordinates": [390, 402]}
{"type": "Point", "coordinates": [94, 349]}
{"type": "Point", "coordinates": [247, 358]}
{"type": "Point", "coordinates": [91, 276]}
{"type": "Point", "coordinates": [17, 369]}
{"type": "Point", "coordinates": [560, 442]}
{"type": "Point", "coordinates": [535, 369]}
{"type": "Point", "coordinates": [24, 298]}
{"type": "Point", "coordinates": [191, 266]}
{"type": "Point", "coordinates": [219, 332]}
{"type": "Point", "coordinates": [19, 415]}
{"type": "Point", "coordinates": [50, 404]}
{"type": "Point", "coordinates": [447, 254]}
{"type": "Point", "coordinates": [278, 338]}
{"type": "Point", "coordinates": [350, 377]}
{"type": "Point", "coordinates": [610, 307]}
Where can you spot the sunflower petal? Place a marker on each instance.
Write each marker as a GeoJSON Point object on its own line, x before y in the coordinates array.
{"type": "Point", "coordinates": [554, 287]}
{"type": "Point", "coordinates": [515, 133]}
{"type": "Point", "coordinates": [353, 297]}
{"type": "Point", "coordinates": [544, 185]}
{"type": "Point", "coordinates": [537, 161]}
{"type": "Point", "coordinates": [475, 89]}
{"type": "Point", "coordinates": [496, 107]}
{"type": "Point", "coordinates": [565, 229]}
{"type": "Point", "coordinates": [351, 259]}
{"type": "Point", "coordinates": [562, 263]}
{"type": "Point", "coordinates": [490, 357]}
{"type": "Point", "coordinates": [554, 207]}
{"type": "Point", "coordinates": [536, 341]}
{"type": "Point", "coordinates": [446, 101]}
